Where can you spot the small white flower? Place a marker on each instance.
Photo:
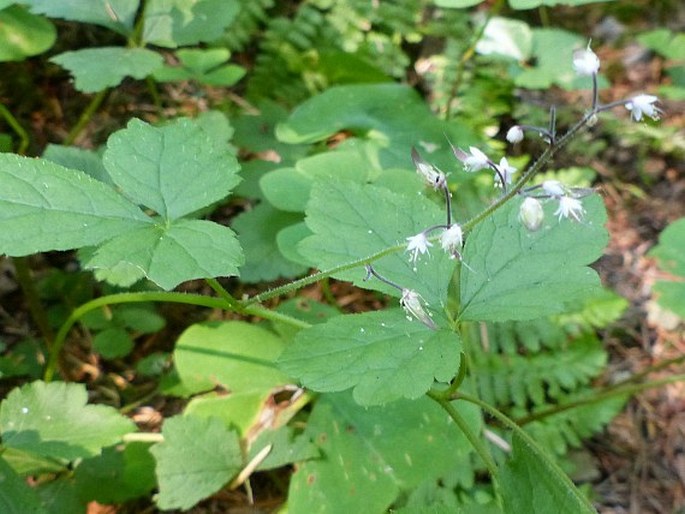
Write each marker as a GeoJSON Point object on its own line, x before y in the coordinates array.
{"type": "Point", "coordinates": [515, 134]}
{"type": "Point", "coordinates": [585, 62]}
{"type": "Point", "coordinates": [417, 244]}
{"type": "Point", "coordinates": [643, 104]}
{"type": "Point", "coordinates": [531, 213]}
{"type": "Point", "coordinates": [553, 188]}
{"type": "Point", "coordinates": [506, 171]}
{"type": "Point", "coordinates": [412, 303]}
{"type": "Point", "coordinates": [431, 175]}
{"type": "Point", "coordinates": [452, 239]}
{"type": "Point", "coordinates": [569, 206]}
{"type": "Point", "coordinates": [473, 161]}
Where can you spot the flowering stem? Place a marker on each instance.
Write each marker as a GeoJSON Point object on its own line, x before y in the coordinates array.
{"type": "Point", "coordinates": [552, 125]}
{"type": "Point", "coordinates": [595, 92]}
{"type": "Point", "coordinates": [371, 271]}
{"type": "Point", "coordinates": [448, 202]}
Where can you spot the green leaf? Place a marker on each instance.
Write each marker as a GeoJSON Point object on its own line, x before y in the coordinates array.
{"type": "Point", "coordinates": [80, 159]}
{"type": "Point", "coordinates": [112, 343]}
{"type": "Point", "coordinates": [60, 496]}
{"type": "Point", "coordinates": [531, 483]}
{"type": "Point", "coordinates": [95, 69]}
{"type": "Point", "coordinates": [117, 474]}
{"type": "Point", "coordinates": [168, 255]}
{"type": "Point", "coordinates": [118, 15]}
{"type": "Point", "coordinates": [197, 458]}
{"type": "Point", "coordinates": [53, 420]}
{"type": "Point", "coordinates": [175, 169]}
{"type": "Point", "coordinates": [669, 44]}
{"type": "Point", "coordinates": [27, 464]}
{"type": "Point", "coordinates": [351, 222]}
{"type": "Point", "coordinates": [23, 34]}
{"type": "Point", "coordinates": [37, 196]}
{"type": "Point", "coordinates": [304, 309]}
{"type": "Point", "coordinates": [507, 38]}
{"type": "Point", "coordinates": [370, 455]}
{"type": "Point", "coordinates": [393, 116]}
{"type": "Point", "coordinates": [456, 4]}
{"type": "Point", "coordinates": [238, 355]}
{"type": "Point", "coordinates": [532, 4]}
{"type": "Point", "coordinates": [205, 66]}
{"type": "Point", "coordinates": [669, 252]}
{"type": "Point", "coordinates": [257, 232]}
{"type": "Point", "coordinates": [16, 497]}
{"type": "Point", "coordinates": [382, 355]}
{"type": "Point", "coordinates": [517, 275]}
{"type": "Point", "coordinates": [172, 23]}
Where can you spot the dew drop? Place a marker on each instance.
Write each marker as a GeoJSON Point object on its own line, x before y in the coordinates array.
{"type": "Point", "coordinates": [361, 330]}
{"type": "Point", "coordinates": [420, 348]}
{"type": "Point", "coordinates": [24, 410]}
{"type": "Point", "coordinates": [370, 231]}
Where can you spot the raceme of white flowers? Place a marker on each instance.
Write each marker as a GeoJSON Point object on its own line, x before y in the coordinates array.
{"type": "Point", "coordinates": [531, 212]}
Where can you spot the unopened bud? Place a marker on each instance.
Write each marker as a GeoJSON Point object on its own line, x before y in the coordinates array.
{"type": "Point", "coordinates": [531, 214]}
{"type": "Point", "coordinates": [515, 134]}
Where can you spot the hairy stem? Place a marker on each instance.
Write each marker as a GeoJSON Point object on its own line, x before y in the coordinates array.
{"type": "Point", "coordinates": [17, 128]}
{"type": "Point", "coordinates": [85, 117]}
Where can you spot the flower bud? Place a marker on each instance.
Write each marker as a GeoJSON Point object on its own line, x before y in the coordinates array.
{"type": "Point", "coordinates": [452, 240]}
{"type": "Point", "coordinates": [531, 214]}
{"type": "Point", "coordinates": [412, 303]}
{"type": "Point", "coordinates": [515, 134]}
{"type": "Point", "coordinates": [585, 62]}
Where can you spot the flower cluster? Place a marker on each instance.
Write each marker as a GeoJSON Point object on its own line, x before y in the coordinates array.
{"type": "Point", "coordinates": [531, 213]}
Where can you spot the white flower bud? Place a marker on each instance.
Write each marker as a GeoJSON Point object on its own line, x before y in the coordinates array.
{"type": "Point", "coordinates": [430, 174]}
{"type": "Point", "coordinates": [531, 214]}
{"type": "Point", "coordinates": [585, 62]}
{"type": "Point", "coordinates": [515, 134]}
{"type": "Point", "coordinates": [553, 188]}
{"type": "Point", "coordinates": [412, 303]}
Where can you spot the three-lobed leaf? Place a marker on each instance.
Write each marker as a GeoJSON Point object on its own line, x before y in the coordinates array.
{"type": "Point", "coordinates": [53, 420]}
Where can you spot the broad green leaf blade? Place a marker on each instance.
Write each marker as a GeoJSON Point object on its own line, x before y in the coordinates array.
{"type": "Point", "coordinates": [44, 207]}
{"type": "Point", "coordinates": [257, 232]}
{"type": "Point", "coordinates": [532, 4]}
{"type": "Point", "coordinates": [351, 222]}
{"type": "Point", "coordinates": [27, 464]}
{"type": "Point", "coordinates": [507, 38]}
{"type": "Point", "coordinates": [169, 255]}
{"type": "Point", "coordinates": [81, 159]}
{"type": "Point", "coordinates": [175, 169]}
{"type": "Point", "coordinates": [370, 455]}
{"type": "Point", "coordinates": [239, 356]}
{"type": "Point", "coordinates": [517, 275]}
{"type": "Point", "coordinates": [669, 252]}
{"type": "Point", "coordinates": [197, 458]}
{"type": "Point", "coordinates": [95, 69]}
{"type": "Point", "coordinates": [392, 115]}
{"type": "Point", "coordinates": [382, 355]}
{"type": "Point", "coordinates": [172, 23]}
{"type": "Point", "coordinates": [16, 497]}
{"type": "Point", "coordinates": [118, 15]}
{"type": "Point", "coordinates": [60, 496]}
{"type": "Point", "coordinates": [532, 483]}
{"type": "Point", "coordinates": [23, 34]}
{"type": "Point", "coordinates": [53, 420]}
{"type": "Point", "coordinates": [117, 474]}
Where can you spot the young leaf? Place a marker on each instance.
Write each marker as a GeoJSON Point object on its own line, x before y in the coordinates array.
{"type": "Point", "coordinates": [350, 222]}
{"type": "Point", "coordinates": [517, 275]}
{"type": "Point", "coordinates": [175, 169]}
{"type": "Point", "coordinates": [532, 484]}
{"type": "Point", "coordinates": [370, 455]}
{"type": "Point", "coordinates": [44, 206]}
{"type": "Point", "coordinates": [95, 69]}
{"type": "Point", "coordinates": [53, 420]}
{"type": "Point", "coordinates": [382, 355]}
{"type": "Point", "coordinates": [197, 458]}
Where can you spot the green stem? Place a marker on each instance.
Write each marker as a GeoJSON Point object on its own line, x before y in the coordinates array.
{"type": "Point", "coordinates": [154, 93]}
{"type": "Point", "coordinates": [17, 128]}
{"type": "Point", "coordinates": [148, 296]}
{"type": "Point", "coordinates": [36, 308]}
{"type": "Point", "coordinates": [234, 304]}
{"type": "Point", "coordinates": [558, 473]}
{"type": "Point", "coordinates": [85, 117]}
{"type": "Point", "coordinates": [475, 441]}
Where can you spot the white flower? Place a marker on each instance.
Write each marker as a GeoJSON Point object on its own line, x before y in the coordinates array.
{"type": "Point", "coordinates": [643, 104]}
{"type": "Point", "coordinates": [515, 134]}
{"type": "Point", "coordinates": [431, 175]}
{"type": "Point", "coordinates": [452, 239]}
{"type": "Point", "coordinates": [569, 206]}
{"type": "Point", "coordinates": [531, 213]}
{"type": "Point", "coordinates": [553, 188]}
{"type": "Point", "coordinates": [412, 303]}
{"type": "Point", "coordinates": [417, 244]}
{"type": "Point", "coordinates": [473, 161]}
{"type": "Point", "coordinates": [585, 62]}
{"type": "Point", "coordinates": [506, 171]}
